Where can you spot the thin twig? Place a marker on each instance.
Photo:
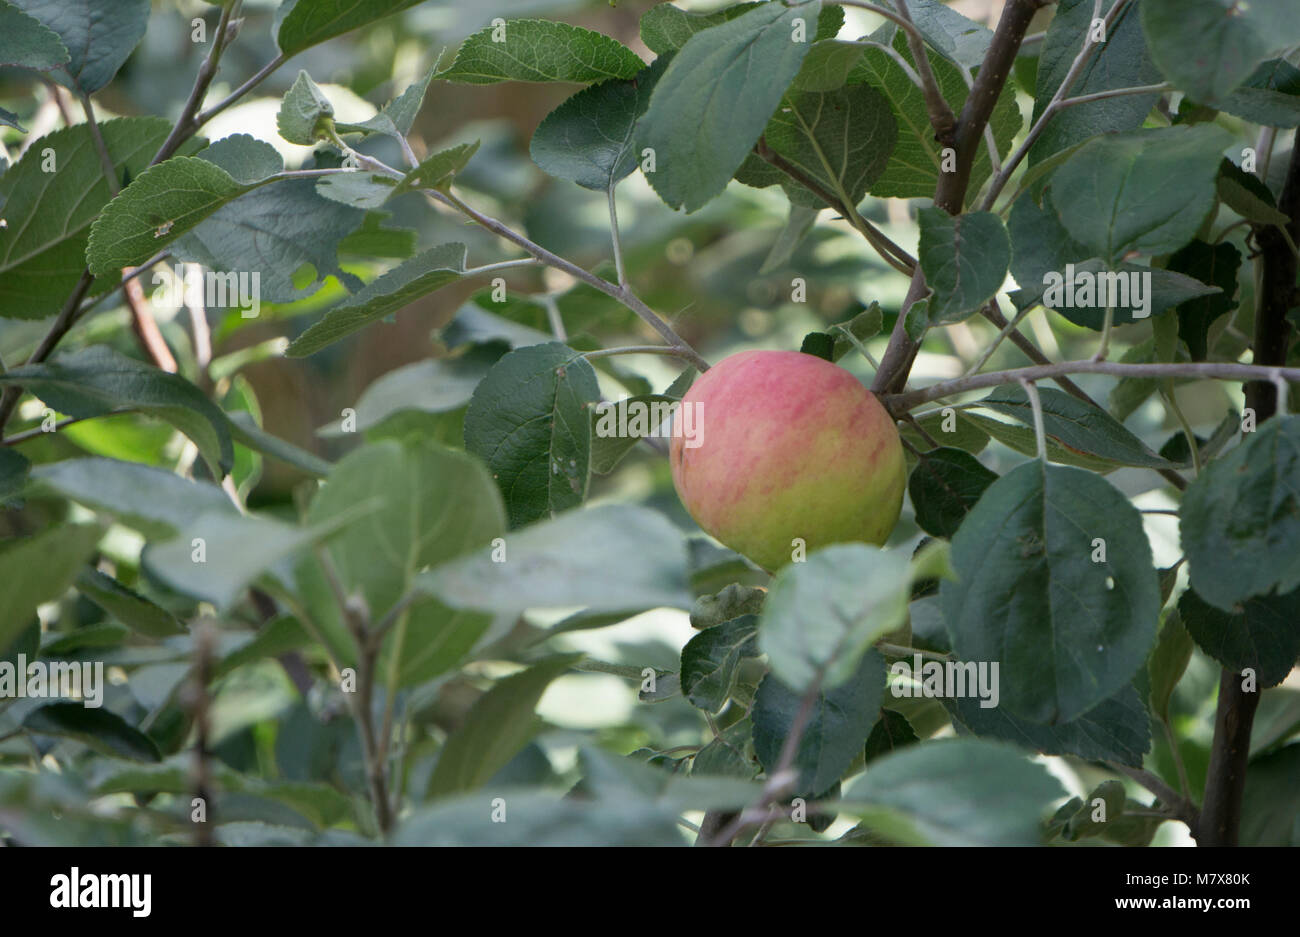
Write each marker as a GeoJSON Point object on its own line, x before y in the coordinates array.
{"type": "Point", "coordinates": [617, 241]}
{"type": "Point", "coordinates": [1037, 406]}
{"type": "Point", "coordinates": [942, 118]}
{"type": "Point", "coordinates": [901, 403]}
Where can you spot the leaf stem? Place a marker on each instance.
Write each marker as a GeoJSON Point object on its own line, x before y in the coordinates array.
{"type": "Point", "coordinates": [622, 294]}
{"type": "Point", "coordinates": [1037, 405]}
{"type": "Point", "coordinates": [614, 237]}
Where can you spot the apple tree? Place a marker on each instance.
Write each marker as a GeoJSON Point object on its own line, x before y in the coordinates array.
{"type": "Point", "coordinates": [795, 421]}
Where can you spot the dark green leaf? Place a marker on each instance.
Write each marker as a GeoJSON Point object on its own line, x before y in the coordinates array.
{"type": "Point", "coordinates": [955, 792]}
{"type": "Point", "coordinates": [1068, 632]}
{"type": "Point", "coordinates": [396, 289]}
{"type": "Point", "coordinates": [99, 36]}
{"type": "Point", "coordinates": [716, 97]}
{"type": "Point", "coordinates": [710, 659]}
{"type": "Point", "coordinates": [540, 50]}
{"type": "Point", "coordinates": [1077, 425]}
{"type": "Point", "coordinates": [496, 727]}
{"type": "Point", "coordinates": [836, 730]}
{"type": "Point", "coordinates": [128, 607]}
{"type": "Point", "coordinates": [891, 732]}
{"type": "Point", "coordinates": [305, 23]}
{"type": "Point", "coordinates": [27, 43]}
{"type": "Point", "coordinates": [1240, 513]}
{"type": "Point", "coordinates": [944, 486]}
{"type": "Point", "coordinates": [589, 139]}
{"type": "Point", "coordinates": [104, 731]}
{"type": "Point", "coordinates": [964, 259]}
{"type": "Point", "coordinates": [528, 420]}
{"type": "Point", "coordinates": [1262, 634]}
{"type": "Point", "coordinates": [98, 380]}
{"type": "Point", "coordinates": [1214, 265]}
{"type": "Point", "coordinates": [1148, 190]}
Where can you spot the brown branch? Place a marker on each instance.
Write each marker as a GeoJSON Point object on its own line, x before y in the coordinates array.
{"type": "Point", "coordinates": [144, 326]}
{"type": "Point", "coordinates": [950, 193]}
{"type": "Point", "coordinates": [941, 117]}
{"type": "Point", "coordinates": [1225, 780]}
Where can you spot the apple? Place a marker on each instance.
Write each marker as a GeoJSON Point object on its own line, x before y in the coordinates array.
{"type": "Point", "coordinates": [783, 446]}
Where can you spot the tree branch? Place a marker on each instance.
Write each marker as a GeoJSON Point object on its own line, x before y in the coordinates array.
{"type": "Point", "coordinates": [1222, 370]}
{"type": "Point", "coordinates": [1234, 716]}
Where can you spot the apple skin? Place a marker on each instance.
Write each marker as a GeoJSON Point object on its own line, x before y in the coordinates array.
{"type": "Point", "coordinates": [791, 445]}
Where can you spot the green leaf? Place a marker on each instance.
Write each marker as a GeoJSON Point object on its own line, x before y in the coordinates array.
{"type": "Point", "coordinates": [1261, 634]}
{"type": "Point", "coordinates": [1238, 515]}
{"type": "Point", "coordinates": [398, 115]}
{"type": "Point", "coordinates": [914, 167]}
{"type": "Point", "coordinates": [1068, 632]}
{"type": "Point", "coordinates": [128, 607]}
{"type": "Point", "coordinates": [104, 731]}
{"type": "Point", "coordinates": [430, 504]}
{"type": "Point", "coordinates": [495, 729]}
{"type": "Point", "coordinates": [436, 171]}
{"type": "Point", "coordinates": [1122, 61]}
{"type": "Point", "coordinates": [159, 205]}
{"type": "Point", "coordinates": [219, 554]}
{"type": "Point", "coordinates": [823, 614]}
{"type": "Point", "coordinates": [952, 35]}
{"type": "Point", "coordinates": [1215, 265]}
{"type": "Point", "coordinates": [964, 258]}
{"type": "Point", "coordinates": [827, 65]}
{"type": "Point", "coordinates": [540, 819]}
{"type": "Point", "coordinates": [840, 139]}
{"type": "Point", "coordinates": [1021, 439]}
{"type": "Point", "coordinates": [732, 602]}
{"type": "Point", "coordinates": [1164, 289]}
{"type": "Point", "coordinates": [99, 36]}
{"type": "Point", "coordinates": [1270, 811]}
{"type": "Point", "coordinates": [273, 233]}
{"type": "Point", "coordinates": [1077, 425]}
{"type": "Point", "coordinates": [395, 290]}
{"type": "Point", "coordinates": [14, 469]}
{"type": "Point", "coordinates": [891, 732]}
{"type": "Point", "coordinates": [246, 159]}
{"type": "Point", "coordinates": [728, 755]}
{"type": "Point", "coordinates": [666, 28]}
{"type": "Point", "coordinates": [1116, 729]}
{"type": "Point", "coordinates": [589, 139]}
{"type": "Point", "coordinates": [157, 502]}
{"type": "Point", "coordinates": [608, 443]}
{"type": "Point", "coordinates": [435, 385]}
{"type": "Point", "coordinates": [836, 730]}
{"type": "Point", "coordinates": [245, 431]}
{"type": "Point", "coordinates": [944, 486]}
{"type": "Point", "coordinates": [795, 229]}
{"type": "Point", "coordinates": [1148, 190]}
{"type": "Point", "coordinates": [1168, 662]}
{"type": "Point", "coordinates": [710, 659]}
{"type": "Point", "coordinates": [540, 50]}
{"type": "Point", "coordinates": [613, 558]}
{"type": "Point", "coordinates": [305, 23]}
{"type": "Point", "coordinates": [955, 792]}
{"type": "Point", "coordinates": [102, 635]}
{"type": "Point", "coordinates": [303, 111]}
{"type": "Point", "coordinates": [98, 380]}
{"type": "Point", "coordinates": [39, 569]}
{"type": "Point", "coordinates": [358, 189]}
{"type": "Point", "coordinates": [27, 43]}
{"type": "Point", "coordinates": [1247, 195]}
{"type": "Point", "coordinates": [1270, 96]}
{"type": "Point", "coordinates": [48, 214]}
{"type": "Point", "coordinates": [1207, 48]}
{"type": "Point", "coordinates": [715, 99]}
{"type": "Point", "coordinates": [528, 421]}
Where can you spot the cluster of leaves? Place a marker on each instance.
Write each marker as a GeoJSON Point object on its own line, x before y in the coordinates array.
{"type": "Point", "coordinates": [402, 584]}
